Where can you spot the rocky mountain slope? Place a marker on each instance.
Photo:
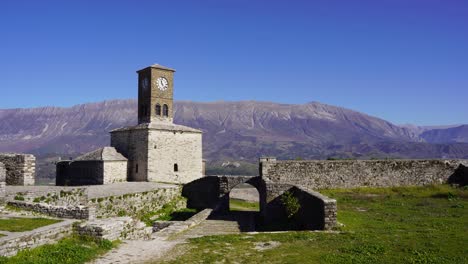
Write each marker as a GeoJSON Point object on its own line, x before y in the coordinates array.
{"type": "Point", "coordinates": [449, 135]}
{"type": "Point", "coordinates": [234, 131]}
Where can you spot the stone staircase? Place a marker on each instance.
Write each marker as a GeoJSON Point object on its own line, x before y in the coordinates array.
{"type": "Point", "coordinates": [221, 224]}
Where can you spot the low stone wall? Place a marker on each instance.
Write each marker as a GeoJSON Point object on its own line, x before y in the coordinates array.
{"type": "Point", "coordinates": [115, 228]}
{"type": "Point", "coordinates": [132, 203]}
{"type": "Point", "coordinates": [70, 212]}
{"type": "Point", "coordinates": [52, 195]}
{"type": "Point", "coordinates": [10, 245]}
{"type": "Point", "coordinates": [20, 168]}
{"type": "Point", "coordinates": [119, 199]}
{"type": "Point", "coordinates": [320, 174]}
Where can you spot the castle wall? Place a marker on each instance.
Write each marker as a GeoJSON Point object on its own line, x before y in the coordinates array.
{"type": "Point", "coordinates": [168, 148]}
{"type": "Point", "coordinates": [20, 168]}
{"type": "Point", "coordinates": [320, 174]}
{"type": "Point", "coordinates": [133, 144]}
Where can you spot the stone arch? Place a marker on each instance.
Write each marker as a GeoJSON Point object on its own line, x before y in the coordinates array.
{"type": "Point", "coordinates": [227, 183]}
{"type": "Point", "coordinates": [213, 191]}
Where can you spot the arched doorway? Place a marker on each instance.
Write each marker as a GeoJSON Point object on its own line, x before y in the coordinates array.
{"type": "Point", "coordinates": [244, 197]}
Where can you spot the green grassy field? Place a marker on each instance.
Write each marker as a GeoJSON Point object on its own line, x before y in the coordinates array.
{"type": "Point", "coordinates": [241, 205]}
{"type": "Point", "coordinates": [381, 225]}
{"type": "Point", "coordinates": [17, 224]}
{"type": "Point", "coordinates": [72, 250]}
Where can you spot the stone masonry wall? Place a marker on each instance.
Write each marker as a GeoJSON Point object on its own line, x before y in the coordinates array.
{"type": "Point", "coordinates": [133, 144]}
{"type": "Point", "coordinates": [20, 168]}
{"type": "Point", "coordinates": [133, 203]}
{"type": "Point", "coordinates": [44, 235]}
{"type": "Point", "coordinates": [2, 183]}
{"type": "Point", "coordinates": [115, 171]}
{"type": "Point", "coordinates": [316, 211]}
{"type": "Point", "coordinates": [56, 196]}
{"type": "Point", "coordinates": [70, 212]}
{"type": "Point", "coordinates": [318, 174]}
{"type": "Point", "coordinates": [170, 149]}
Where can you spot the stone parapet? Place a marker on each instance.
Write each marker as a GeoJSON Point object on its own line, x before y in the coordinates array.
{"type": "Point", "coordinates": [322, 174]}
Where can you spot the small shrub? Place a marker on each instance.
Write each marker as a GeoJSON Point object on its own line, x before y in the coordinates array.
{"type": "Point", "coordinates": [121, 213]}
{"type": "Point", "coordinates": [19, 198]}
{"type": "Point", "coordinates": [290, 203]}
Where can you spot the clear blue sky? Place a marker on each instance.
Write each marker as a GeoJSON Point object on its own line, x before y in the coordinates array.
{"type": "Point", "coordinates": [402, 60]}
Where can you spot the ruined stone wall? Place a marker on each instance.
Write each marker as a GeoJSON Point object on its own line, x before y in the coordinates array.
{"type": "Point", "coordinates": [2, 183]}
{"type": "Point", "coordinates": [10, 245]}
{"type": "Point", "coordinates": [318, 174]}
{"type": "Point", "coordinates": [70, 212]}
{"type": "Point", "coordinates": [133, 144]}
{"type": "Point", "coordinates": [20, 168]}
{"type": "Point", "coordinates": [52, 195]}
{"type": "Point", "coordinates": [132, 204]}
{"type": "Point", "coordinates": [174, 150]}
{"type": "Point", "coordinates": [315, 212]}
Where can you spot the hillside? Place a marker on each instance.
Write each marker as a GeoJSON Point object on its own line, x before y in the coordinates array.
{"type": "Point", "coordinates": [242, 130]}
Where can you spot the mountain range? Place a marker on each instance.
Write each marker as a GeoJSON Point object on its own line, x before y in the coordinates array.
{"type": "Point", "coordinates": [241, 131]}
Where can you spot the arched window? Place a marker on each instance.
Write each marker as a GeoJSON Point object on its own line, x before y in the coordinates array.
{"type": "Point", "coordinates": [176, 167]}
{"type": "Point", "coordinates": [158, 110]}
{"type": "Point", "coordinates": [165, 110]}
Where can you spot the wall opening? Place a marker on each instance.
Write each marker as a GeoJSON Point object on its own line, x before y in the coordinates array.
{"type": "Point", "coordinates": [165, 110]}
{"type": "Point", "coordinates": [136, 168]}
{"type": "Point", "coordinates": [176, 167]}
{"type": "Point", "coordinates": [158, 109]}
{"type": "Point", "coordinates": [244, 197]}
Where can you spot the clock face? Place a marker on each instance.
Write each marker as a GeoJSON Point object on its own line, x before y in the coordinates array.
{"type": "Point", "coordinates": [162, 83]}
{"type": "Point", "coordinates": [145, 83]}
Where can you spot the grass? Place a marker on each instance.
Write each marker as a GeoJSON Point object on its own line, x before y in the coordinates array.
{"type": "Point", "coordinates": [17, 224]}
{"type": "Point", "coordinates": [67, 251]}
{"type": "Point", "coordinates": [242, 205]}
{"type": "Point", "coordinates": [169, 212]}
{"type": "Point", "coordinates": [381, 225]}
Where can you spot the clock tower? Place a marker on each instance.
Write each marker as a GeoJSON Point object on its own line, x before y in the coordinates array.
{"type": "Point", "coordinates": [155, 94]}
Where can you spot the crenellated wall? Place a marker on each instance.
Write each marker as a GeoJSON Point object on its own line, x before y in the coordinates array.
{"type": "Point", "coordinates": [322, 174]}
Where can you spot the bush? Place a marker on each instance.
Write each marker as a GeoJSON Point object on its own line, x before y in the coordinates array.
{"type": "Point", "coordinates": [291, 204]}
{"type": "Point", "coordinates": [19, 198]}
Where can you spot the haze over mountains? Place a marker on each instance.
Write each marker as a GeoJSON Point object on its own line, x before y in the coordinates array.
{"type": "Point", "coordinates": [242, 130]}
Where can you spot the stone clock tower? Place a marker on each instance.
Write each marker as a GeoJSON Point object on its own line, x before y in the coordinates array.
{"type": "Point", "coordinates": [155, 94]}
{"type": "Point", "coordinates": [157, 149]}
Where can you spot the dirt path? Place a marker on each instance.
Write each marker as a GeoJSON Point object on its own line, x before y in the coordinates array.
{"type": "Point", "coordinates": [138, 251]}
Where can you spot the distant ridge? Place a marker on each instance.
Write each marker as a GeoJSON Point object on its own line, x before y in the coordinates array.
{"type": "Point", "coordinates": [241, 130]}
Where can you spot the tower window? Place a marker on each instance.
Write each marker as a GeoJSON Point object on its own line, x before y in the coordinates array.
{"type": "Point", "coordinates": [136, 168]}
{"type": "Point", "coordinates": [176, 167]}
{"type": "Point", "coordinates": [158, 109]}
{"type": "Point", "coordinates": [165, 110]}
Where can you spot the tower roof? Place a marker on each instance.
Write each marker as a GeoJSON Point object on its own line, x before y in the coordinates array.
{"type": "Point", "coordinates": [157, 66]}
{"type": "Point", "coordinates": [104, 154]}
